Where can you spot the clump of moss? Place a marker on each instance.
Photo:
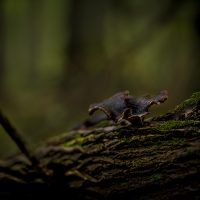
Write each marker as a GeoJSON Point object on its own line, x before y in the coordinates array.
{"type": "Point", "coordinates": [77, 141]}
{"type": "Point", "coordinates": [175, 124]}
{"type": "Point", "coordinates": [195, 99]}
{"type": "Point", "coordinates": [100, 146]}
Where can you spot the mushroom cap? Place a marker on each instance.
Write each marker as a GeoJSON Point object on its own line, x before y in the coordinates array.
{"type": "Point", "coordinates": [123, 106]}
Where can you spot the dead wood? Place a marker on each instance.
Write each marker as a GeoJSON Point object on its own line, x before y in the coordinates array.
{"type": "Point", "coordinates": [160, 160]}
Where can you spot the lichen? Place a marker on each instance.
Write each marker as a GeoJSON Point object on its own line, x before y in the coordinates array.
{"type": "Point", "coordinates": [175, 124]}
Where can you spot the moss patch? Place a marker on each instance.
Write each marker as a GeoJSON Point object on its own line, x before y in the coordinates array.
{"type": "Point", "coordinates": [174, 141]}
{"type": "Point", "coordinates": [76, 141]}
{"type": "Point", "coordinates": [175, 124]}
{"type": "Point", "coordinates": [195, 99]}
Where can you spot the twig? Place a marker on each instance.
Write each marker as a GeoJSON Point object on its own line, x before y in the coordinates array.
{"type": "Point", "coordinates": [17, 138]}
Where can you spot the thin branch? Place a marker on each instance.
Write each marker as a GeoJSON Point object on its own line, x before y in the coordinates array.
{"type": "Point", "coordinates": [17, 138]}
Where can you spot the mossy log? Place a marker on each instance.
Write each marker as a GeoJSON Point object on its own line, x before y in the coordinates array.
{"type": "Point", "coordinates": [160, 160]}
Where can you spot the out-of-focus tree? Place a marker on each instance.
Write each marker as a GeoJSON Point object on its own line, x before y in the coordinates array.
{"type": "Point", "coordinates": [84, 52]}
{"type": "Point", "coordinates": [34, 35]}
{"type": "Point", "coordinates": [2, 48]}
{"type": "Point", "coordinates": [196, 59]}
{"type": "Point", "coordinates": [85, 48]}
{"type": "Point", "coordinates": [162, 16]}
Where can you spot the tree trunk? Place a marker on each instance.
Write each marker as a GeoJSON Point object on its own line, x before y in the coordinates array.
{"type": "Point", "coordinates": [2, 48]}
{"type": "Point", "coordinates": [196, 48]}
{"type": "Point", "coordinates": [34, 17]}
{"type": "Point", "coordinates": [86, 35]}
{"type": "Point", "coordinates": [160, 160]}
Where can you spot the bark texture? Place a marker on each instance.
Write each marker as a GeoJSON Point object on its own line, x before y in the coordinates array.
{"type": "Point", "coordinates": [160, 160]}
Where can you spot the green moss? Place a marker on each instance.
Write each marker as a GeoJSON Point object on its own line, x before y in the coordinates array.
{"type": "Point", "coordinates": [77, 141]}
{"type": "Point", "coordinates": [126, 140]}
{"type": "Point", "coordinates": [70, 143]}
{"type": "Point", "coordinates": [90, 137]}
{"type": "Point", "coordinates": [174, 141]}
{"type": "Point", "coordinates": [195, 98]}
{"type": "Point", "coordinates": [175, 124]}
{"type": "Point", "coordinates": [100, 146]}
{"type": "Point", "coordinates": [137, 162]}
{"type": "Point", "coordinates": [156, 177]}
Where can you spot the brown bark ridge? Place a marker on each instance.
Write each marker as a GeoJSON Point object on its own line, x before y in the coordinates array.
{"type": "Point", "coordinates": [160, 160]}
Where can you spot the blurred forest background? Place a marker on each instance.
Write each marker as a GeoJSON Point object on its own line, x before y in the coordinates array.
{"type": "Point", "coordinates": [59, 56]}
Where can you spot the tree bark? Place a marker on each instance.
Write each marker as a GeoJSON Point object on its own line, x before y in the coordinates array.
{"type": "Point", "coordinates": [160, 160]}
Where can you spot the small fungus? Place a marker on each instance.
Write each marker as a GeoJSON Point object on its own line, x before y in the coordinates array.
{"type": "Point", "coordinates": [124, 107]}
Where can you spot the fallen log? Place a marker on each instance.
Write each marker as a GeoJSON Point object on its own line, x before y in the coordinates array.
{"type": "Point", "coordinates": [160, 160]}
